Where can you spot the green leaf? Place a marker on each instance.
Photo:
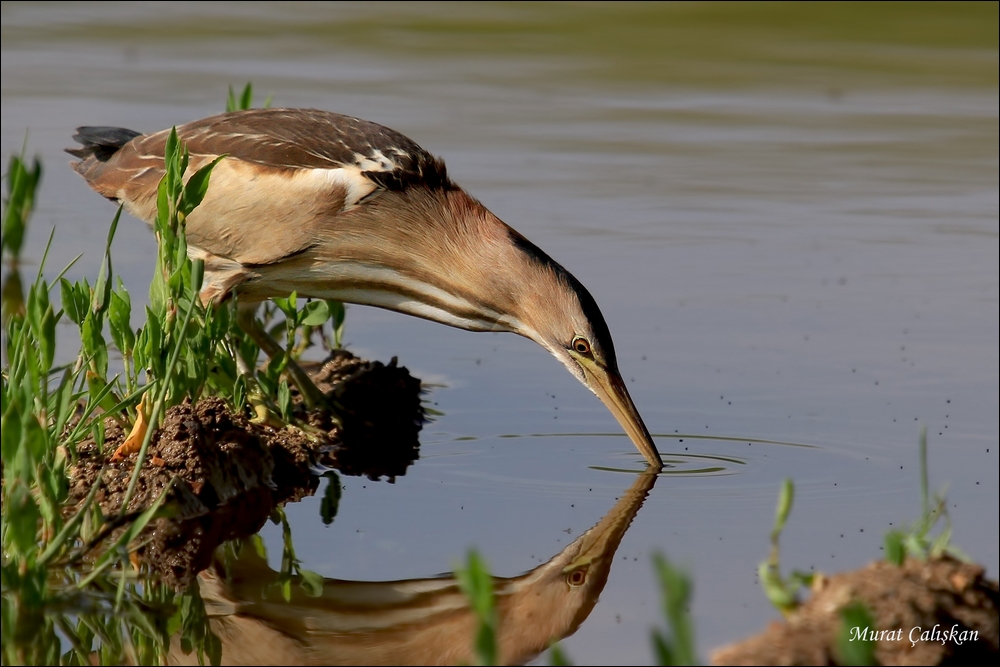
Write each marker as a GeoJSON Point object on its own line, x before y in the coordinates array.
{"type": "Point", "coordinates": [244, 102]}
{"type": "Point", "coordinates": [337, 313]}
{"type": "Point", "coordinates": [74, 301]}
{"type": "Point", "coordinates": [663, 650]}
{"type": "Point", "coordinates": [197, 274]}
{"type": "Point", "coordinates": [119, 320]}
{"type": "Point", "coordinates": [64, 398]}
{"type": "Point", "coordinates": [895, 551]}
{"type": "Point", "coordinates": [285, 400]}
{"type": "Point", "coordinates": [785, 499]}
{"type": "Point", "coordinates": [171, 159]}
{"type": "Point", "coordinates": [153, 343]}
{"type": "Point", "coordinates": [782, 594]}
{"type": "Point", "coordinates": [775, 589]}
{"type": "Point", "coordinates": [94, 345]}
{"type": "Point", "coordinates": [197, 186]}
{"type": "Point", "coordinates": [246, 99]}
{"type": "Point", "coordinates": [34, 440]}
{"type": "Point", "coordinates": [853, 645]}
{"type": "Point", "coordinates": [10, 433]}
{"type": "Point", "coordinates": [102, 288]}
{"type": "Point", "coordinates": [315, 313]}
{"type": "Point", "coordinates": [558, 658]}
{"type": "Point", "coordinates": [477, 584]}
{"type": "Point", "coordinates": [162, 207]}
{"type": "Point", "coordinates": [675, 592]}
{"type": "Point", "coordinates": [22, 519]}
{"type": "Point", "coordinates": [288, 307]}
{"type": "Point", "coordinates": [38, 303]}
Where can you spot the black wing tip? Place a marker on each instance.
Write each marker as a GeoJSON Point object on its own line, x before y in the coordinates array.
{"type": "Point", "coordinates": [100, 142]}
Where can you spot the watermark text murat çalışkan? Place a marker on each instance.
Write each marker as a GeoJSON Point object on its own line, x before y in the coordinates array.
{"type": "Point", "coordinates": [916, 634]}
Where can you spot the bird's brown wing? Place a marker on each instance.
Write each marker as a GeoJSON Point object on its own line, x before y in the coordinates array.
{"type": "Point", "coordinates": [286, 171]}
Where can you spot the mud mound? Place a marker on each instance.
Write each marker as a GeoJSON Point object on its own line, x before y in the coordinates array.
{"type": "Point", "coordinates": [227, 474]}
{"type": "Point", "coordinates": [928, 610]}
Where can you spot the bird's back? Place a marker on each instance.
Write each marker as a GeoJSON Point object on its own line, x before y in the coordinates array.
{"type": "Point", "coordinates": [288, 177]}
{"type": "Point", "coordinates": [124, 164]}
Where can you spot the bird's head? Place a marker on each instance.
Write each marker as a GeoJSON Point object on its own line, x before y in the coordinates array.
{"type": "Point", "coordinates": [557, 312]}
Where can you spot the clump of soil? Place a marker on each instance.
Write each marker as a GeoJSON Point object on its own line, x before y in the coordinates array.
{"type": "Point", "coordinates": [924, 607]}
{"type": "Point", "coordinates": [227, 473]}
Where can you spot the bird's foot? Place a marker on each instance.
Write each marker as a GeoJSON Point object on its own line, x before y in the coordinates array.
{"type": "Point", "coordinates": [264, 411]}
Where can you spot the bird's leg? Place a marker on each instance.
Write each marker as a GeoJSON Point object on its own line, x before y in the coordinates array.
{"type": "Point", "coordinates": [245, 317]}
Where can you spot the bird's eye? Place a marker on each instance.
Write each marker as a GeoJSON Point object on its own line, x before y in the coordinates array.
{"type": "Point", "coordinates": [577, 577]}
{"type": "Point", "coordinates": [581, 345]}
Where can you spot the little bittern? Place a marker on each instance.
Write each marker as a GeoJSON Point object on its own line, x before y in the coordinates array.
{"type": "Point", "coordinates": [334, 207]}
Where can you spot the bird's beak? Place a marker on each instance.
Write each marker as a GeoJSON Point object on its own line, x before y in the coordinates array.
{"type": "Point", "coordinates": [610, 388]}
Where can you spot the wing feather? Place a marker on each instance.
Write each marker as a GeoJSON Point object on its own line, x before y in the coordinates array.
{"type": "Point", "coordinates": [287, 171]}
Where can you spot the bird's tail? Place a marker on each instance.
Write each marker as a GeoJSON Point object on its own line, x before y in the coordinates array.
{"type": "Point", "coordinates": [100, 142]}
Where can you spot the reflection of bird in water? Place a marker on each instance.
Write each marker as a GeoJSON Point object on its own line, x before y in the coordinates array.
{"type": "Point", "coordinates": [419, 621]}
{"type": "Point", "coordinates": [335, 207]}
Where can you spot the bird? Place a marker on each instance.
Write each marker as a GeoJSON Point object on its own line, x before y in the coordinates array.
{"type": "Point", "coordinates": [335, 207]}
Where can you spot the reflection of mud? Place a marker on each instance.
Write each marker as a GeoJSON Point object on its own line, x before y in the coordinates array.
{"type": "Point", "coordinates": [381, 415]}
{"type": "Point", "coordinates": [231, 473]}
{"type": "Point", "coordinates": [942, 593]}
{"type": "Point", "coordinates": [417, 621]}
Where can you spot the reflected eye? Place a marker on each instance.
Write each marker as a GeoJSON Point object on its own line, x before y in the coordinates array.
{"type": "Point", "coordinates": [577, 577]}
{"type": "Point", "coordinates": [581, 345]}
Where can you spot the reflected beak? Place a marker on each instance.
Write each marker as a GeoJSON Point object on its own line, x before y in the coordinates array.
{"type": "Point", "coordinates": [610, 388]}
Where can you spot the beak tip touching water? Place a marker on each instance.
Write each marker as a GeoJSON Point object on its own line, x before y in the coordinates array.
{"type": "Point", "coordinates": [610, 388]}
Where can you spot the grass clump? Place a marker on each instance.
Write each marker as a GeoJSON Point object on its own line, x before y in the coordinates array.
{"type": "Point", "coordinates": [856, 623]}
{"type": "Point", "coordinates": [917, 539]}
{"type": "Point", "coordinates": [781, 591]}
{"type": "Point", "coordinates": [70, 593]}
{"type": "Point", "coordinates": [66, 574]}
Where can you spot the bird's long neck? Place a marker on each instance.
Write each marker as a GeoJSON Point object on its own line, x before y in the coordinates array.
{"type": "Point", "coordinates": [441, 255]}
